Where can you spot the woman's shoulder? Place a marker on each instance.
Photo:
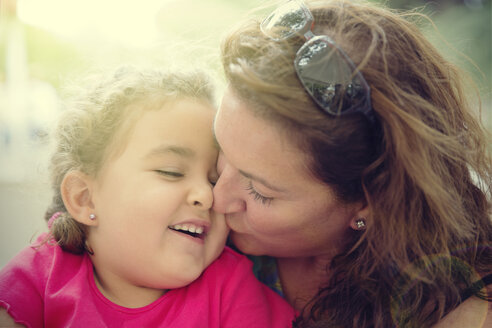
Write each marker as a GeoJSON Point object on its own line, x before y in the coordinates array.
{"type": "Point", "coordinates": [473, 312]}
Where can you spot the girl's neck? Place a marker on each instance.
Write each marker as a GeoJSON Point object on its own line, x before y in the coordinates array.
{"type": "Point", "coordinates": [124, 294]}
{"type": "Point", "coordinates": [301, 278]}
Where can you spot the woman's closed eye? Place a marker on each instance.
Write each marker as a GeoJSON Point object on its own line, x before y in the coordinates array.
{"type": "Point", "coordinates": [213, 178]}
{"type": "Point", "coordinates": [257, 196]}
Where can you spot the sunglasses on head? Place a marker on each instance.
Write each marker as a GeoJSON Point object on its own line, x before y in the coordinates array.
{"type": "Point", "coordinates": [327, 73]}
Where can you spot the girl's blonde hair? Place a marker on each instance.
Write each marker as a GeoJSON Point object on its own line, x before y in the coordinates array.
{"type": "Point", "coordinates": [94, 123]}
{"type": "Point", "coordinates": [424, 170]}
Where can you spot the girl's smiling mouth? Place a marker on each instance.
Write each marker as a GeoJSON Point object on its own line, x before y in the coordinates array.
{"type": "Point", "coordinates": [191, 229]}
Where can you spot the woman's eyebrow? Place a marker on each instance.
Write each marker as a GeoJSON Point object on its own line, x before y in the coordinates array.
{"type": "Point", "coordinates": [261, 180]}
{"type": "Point", "coordinates": [246, 174]}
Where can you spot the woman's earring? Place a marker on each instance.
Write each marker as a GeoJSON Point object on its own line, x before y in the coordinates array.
{"type": "Point", "coordinates": [361, 224]}
{"type": "Point", "coordinates": [92, 217]}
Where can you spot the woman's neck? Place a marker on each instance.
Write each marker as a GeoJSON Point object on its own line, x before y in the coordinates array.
{"type": "Point", "coordinates": [301, 278]}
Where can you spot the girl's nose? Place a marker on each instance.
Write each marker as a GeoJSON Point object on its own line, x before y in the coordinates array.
{"type": "Point", "coordinates": [201, 196]}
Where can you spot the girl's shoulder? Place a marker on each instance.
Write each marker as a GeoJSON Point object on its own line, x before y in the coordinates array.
{"type": "Point", "coordinates": [32, 261]}
{"type": "Point", "coordinates": [36, 272]}
{"type": "Point", "coordinates": [233, 268]}
{"type": "Point", "coordinates": [41, 258]}
{"type": "Point", "coordinates": [228, 259]}
{"type": "Point", "coordinates": [243, 298]}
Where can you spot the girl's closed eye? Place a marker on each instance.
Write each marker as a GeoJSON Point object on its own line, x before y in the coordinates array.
{"type": "Point", "coordinates": [257, 196]}
{"type": "Point", "coordinates": [173, 174]}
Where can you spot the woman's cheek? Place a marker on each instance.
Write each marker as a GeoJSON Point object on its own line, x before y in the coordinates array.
{"type": "Point", "coordinates": [262, 220]}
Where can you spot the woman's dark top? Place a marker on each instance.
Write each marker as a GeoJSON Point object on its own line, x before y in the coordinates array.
{"type": "Point", "coordinates": [475, 287]}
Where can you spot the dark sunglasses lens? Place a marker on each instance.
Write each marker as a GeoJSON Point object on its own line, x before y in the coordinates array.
{"type": "Point", "coordinates": [285, 21]}
{"type": "Point", "coordinates": [330, 78]}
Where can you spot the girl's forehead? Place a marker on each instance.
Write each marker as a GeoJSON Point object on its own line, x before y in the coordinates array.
{"type": "Point", "coordinates": [184, 124]}
{"type": "Point", "coordinates": [132, 113]}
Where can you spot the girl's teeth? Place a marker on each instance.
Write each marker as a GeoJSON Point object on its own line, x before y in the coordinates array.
{"type": "Point", "coordinates": [191, 228]}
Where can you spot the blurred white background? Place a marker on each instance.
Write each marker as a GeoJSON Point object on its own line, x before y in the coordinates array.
{"type": "Point", "coordinates": [45, 44]}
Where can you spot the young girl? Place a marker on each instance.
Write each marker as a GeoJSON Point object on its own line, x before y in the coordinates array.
{"type": "Point", "coordinates": [131, 224]}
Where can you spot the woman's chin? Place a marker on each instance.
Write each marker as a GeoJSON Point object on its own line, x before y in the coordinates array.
{"type": "Point", "coordinates": [246, 244]}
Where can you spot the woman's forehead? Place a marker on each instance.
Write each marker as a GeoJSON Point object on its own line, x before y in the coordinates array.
{"type": "Point", "coordinates": [253, 145]}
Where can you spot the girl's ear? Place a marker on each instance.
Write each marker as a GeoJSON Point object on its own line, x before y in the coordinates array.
{"type": "Point", "coordinates": [76, 192]}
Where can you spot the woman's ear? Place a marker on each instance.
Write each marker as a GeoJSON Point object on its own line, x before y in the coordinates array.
{"type": "Point", "coordinates": [76, 192]}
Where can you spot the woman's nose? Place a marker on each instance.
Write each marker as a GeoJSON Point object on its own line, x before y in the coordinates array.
{"type": "Point", "coordinates": [227, 192]}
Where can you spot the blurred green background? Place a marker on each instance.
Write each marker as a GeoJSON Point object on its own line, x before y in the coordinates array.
{"type": "Point", "coordinates": [53, 55]}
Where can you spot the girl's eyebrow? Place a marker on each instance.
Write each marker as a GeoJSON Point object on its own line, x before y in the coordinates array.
{"type": "Point", "coordinates": [171, 149]}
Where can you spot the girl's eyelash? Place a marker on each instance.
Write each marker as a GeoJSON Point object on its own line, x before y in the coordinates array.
{"type": "Point", "coordinates": [257, 196]}
{"type": "Point", "coordinates": [171, 174]}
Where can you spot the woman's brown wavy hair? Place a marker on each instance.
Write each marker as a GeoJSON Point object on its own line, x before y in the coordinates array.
{"type": "Point", "coordinates": [424, 170]}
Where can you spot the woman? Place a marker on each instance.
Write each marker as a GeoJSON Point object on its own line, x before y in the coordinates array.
{"type": "Point", "coordinates": [351, 156]}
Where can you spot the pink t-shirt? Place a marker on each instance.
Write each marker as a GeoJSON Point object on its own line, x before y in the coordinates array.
{"type": "Point", "coordinates": [47, 287]}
